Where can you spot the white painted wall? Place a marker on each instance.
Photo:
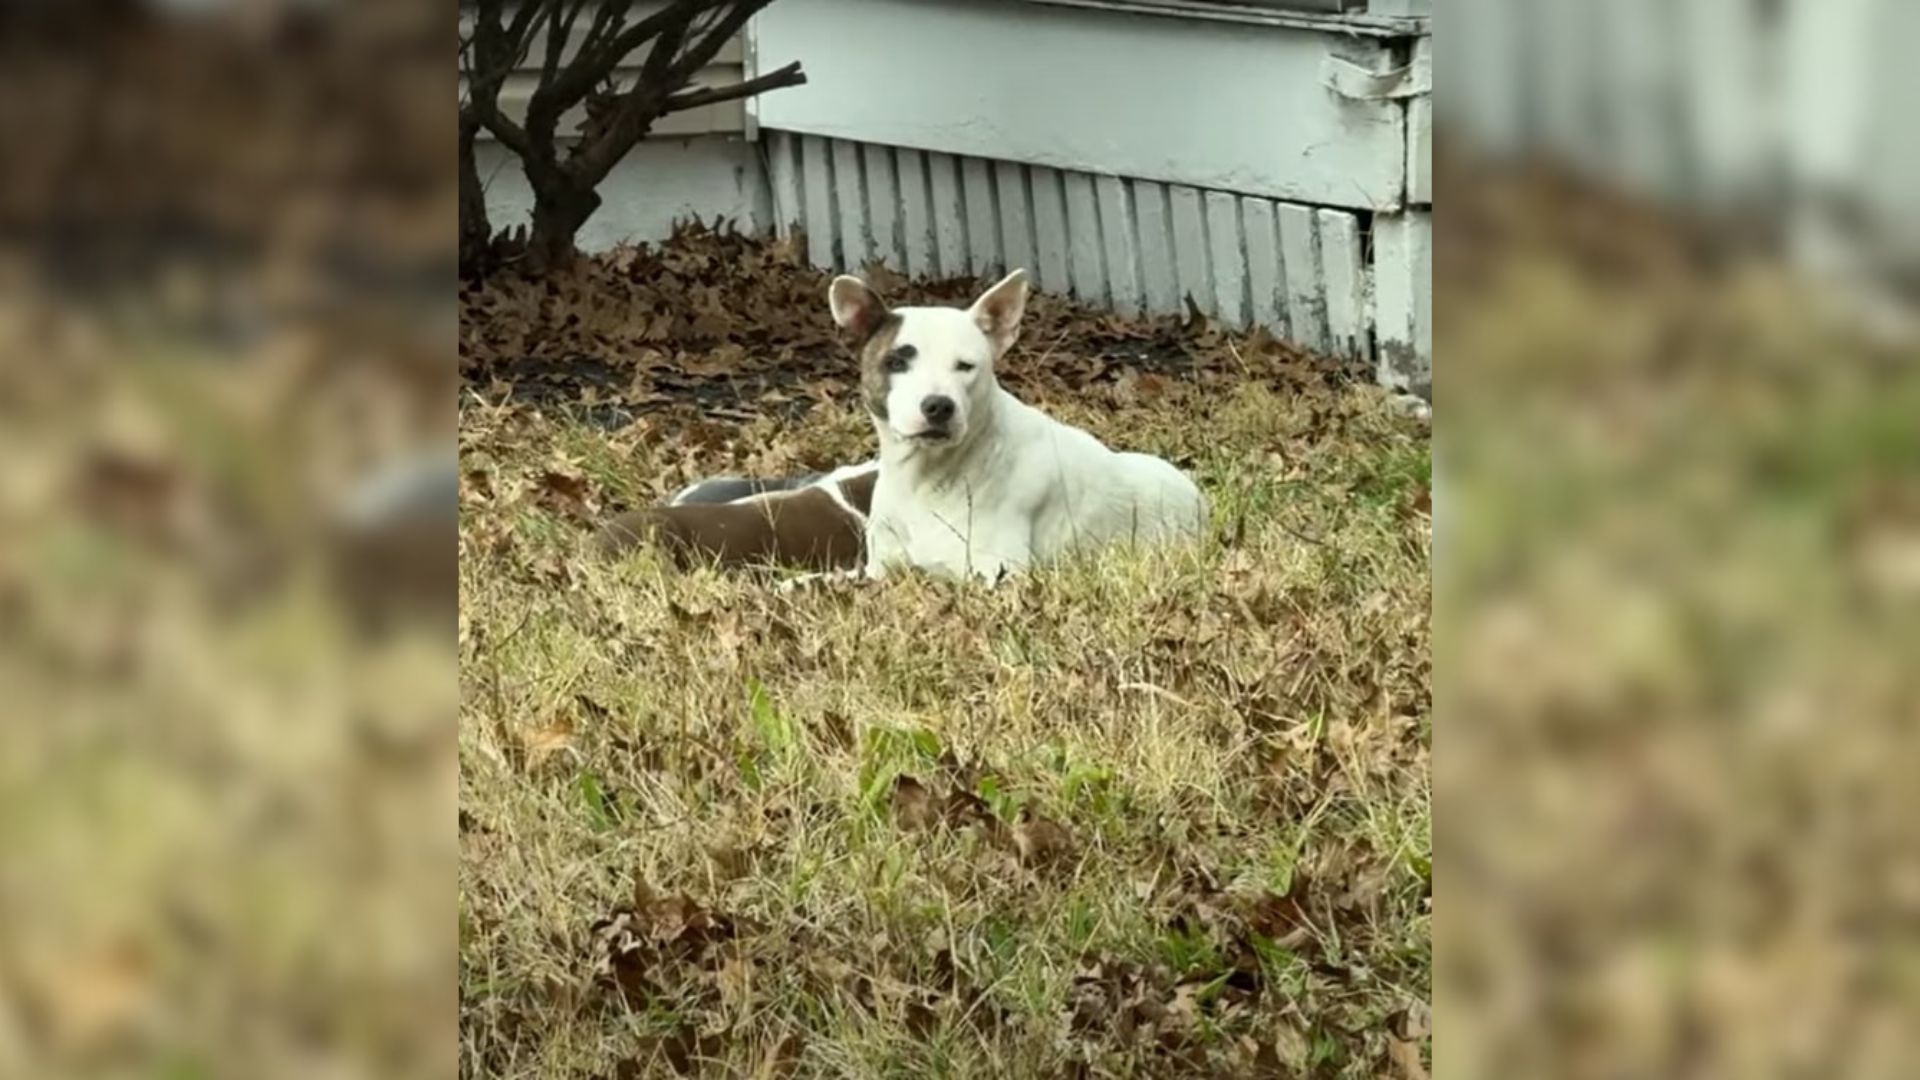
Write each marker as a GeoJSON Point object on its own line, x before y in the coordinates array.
{"type": "Point", "coordinates": [1198, 102]}
{"type": "Point", "coordinates": [661, 182]}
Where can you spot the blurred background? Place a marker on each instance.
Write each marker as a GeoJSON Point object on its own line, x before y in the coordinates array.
{"type": "Point", "coordinates": [227, 510]}
{"type": "Point", "coordinates": [1678, 538]}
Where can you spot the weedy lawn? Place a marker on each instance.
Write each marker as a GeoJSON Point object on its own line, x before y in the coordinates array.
{"type": "Point", "coordinates": [1151, 814]}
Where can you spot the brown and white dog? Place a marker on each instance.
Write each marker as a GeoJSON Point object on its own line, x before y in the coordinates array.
{"type": "Point", "coordinates": [815, 522]}
{"type": "Point", "coordinates": [974, 481]}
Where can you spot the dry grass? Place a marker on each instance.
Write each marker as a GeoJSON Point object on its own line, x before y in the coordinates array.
{"type": "Point", "coordinates": [1150, 814]}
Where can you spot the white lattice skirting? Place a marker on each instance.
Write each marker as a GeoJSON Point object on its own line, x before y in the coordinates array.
{"type": "Point", "coordinates": [1346, 284]}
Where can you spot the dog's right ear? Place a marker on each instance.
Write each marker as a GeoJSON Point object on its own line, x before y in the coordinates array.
{"type": "Point", "coordinates": [855, 306]}
{"type": "Point", "coordinates": [999, 309]}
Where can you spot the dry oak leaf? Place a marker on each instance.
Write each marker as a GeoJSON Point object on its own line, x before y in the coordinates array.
{"type": "Point", "coordinates": [1042, 842]}
{"type": "Point", "coordinates": [912, 803]}
{"type": "Point", "coordinates": [1404, 1033]}
{"type": "Point", "coordinates": [543, 742]}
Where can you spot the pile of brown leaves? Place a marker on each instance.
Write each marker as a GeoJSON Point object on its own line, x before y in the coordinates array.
{"type": "Point", "coordinates": [714, 324]}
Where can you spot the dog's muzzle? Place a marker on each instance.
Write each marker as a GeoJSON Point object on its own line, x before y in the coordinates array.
{"type": "Point", "coordinates": [938, 412]}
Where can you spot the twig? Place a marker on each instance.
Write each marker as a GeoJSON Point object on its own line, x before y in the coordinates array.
{"type": "Point", "coordinates": [1298, 535]}
{"type": "Point", "coordinates": [1158, 691]}
{"type": "Point", "coordinates": [791, 75]}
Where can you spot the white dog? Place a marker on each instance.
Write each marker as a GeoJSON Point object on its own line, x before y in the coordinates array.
{"type": "Point", "coordinates": [972, 480]}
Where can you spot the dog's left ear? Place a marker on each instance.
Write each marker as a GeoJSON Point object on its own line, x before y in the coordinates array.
{"type": "Point", "coordinates": [999, 309]}
{"type": "Point", "coordinates": [855, 305]}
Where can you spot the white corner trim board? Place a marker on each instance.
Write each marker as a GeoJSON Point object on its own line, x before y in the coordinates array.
{"type": "Point", "coordinates": [1403, 298]}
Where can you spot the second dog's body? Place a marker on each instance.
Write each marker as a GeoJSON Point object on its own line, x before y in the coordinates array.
{"type": "Point", "coordinates": [816, 522]}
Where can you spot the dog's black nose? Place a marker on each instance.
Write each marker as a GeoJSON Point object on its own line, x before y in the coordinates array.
{"type": "Point", "coordinates": [938, 409]}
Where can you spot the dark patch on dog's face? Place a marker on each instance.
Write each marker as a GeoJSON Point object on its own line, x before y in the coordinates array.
{"type": "Point", "coordinates": [875, 353]}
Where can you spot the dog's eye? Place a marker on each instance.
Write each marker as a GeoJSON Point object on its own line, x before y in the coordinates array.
{"type": "Point", "coordinates": [963, 366]}
{"type": "Point", "coordinates": [896, 364]}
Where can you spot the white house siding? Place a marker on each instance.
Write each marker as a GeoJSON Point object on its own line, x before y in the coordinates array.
{"type": "Point", "coordinates": [1212, 104]}
{"type": "Point", "coordinates": [662, 182]}
{"type": "Point", "coordinates": [1131, 160]}
{"type": "Point", "coordinates": [695, 163]}
{"type": "Point", "coordinates": [1129, 244]}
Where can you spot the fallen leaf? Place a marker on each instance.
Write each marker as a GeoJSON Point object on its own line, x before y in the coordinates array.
{"type": "Point", "coordinates": [912, 803]}
{"type": "Point", "coordinates": [963, 808]}
{"type": "Point", "coordinates": [837, 729]}
{"type": "Point", "coordinates": [783, 1057]}
{"type": "Point", "coordinates": [1041, 842]}
{"type": "Point", "coordinates": [543, 742]}
{"type": "Point", "coordinates": [735, 980]}
{"type": "Point", "coordinates": [1423, 501]}
{"type": "Point", "coordinates": [91, 1000]}
{"type": "Point", "coordinates": [1406, 1056]}
{"type": "Point", "coordinates": [1283, 917]}
{"type": "Point", "coordinates": [729, 862]}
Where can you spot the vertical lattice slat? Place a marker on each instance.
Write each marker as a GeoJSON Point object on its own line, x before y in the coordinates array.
{"type": "Point", "coordinates": [883, 204]}
{"type": "Point", "coordinates": [916, 214]}
{"type": "Point", "coordinates": [1050, 229]}
{"type": "Point", "coordinates": [1083, 240]}
{"type": "Point", "coordinates": [816, 169]}
{"type": "Point", "coordinates": [1121, 244]}
{"type": "Point", "coordinates": [1227, 258]}
{"type": "Point", "coordinates": [1152, 223]}
{"type": "Point", "coordinates": [1266, 282]}
{"type": "Point", "coordinates": [949, 214]}
{"type": "Point", "coordinates": [850, 206]}
{"type": "Point", "coordinates": [1343, 278]}
{"type": "Point", "coordinates": [1300, 250]}
{"type": "Point", "coordinates": [1190, 252]}
{"type": "Point", "coordinates": [1016, 215]}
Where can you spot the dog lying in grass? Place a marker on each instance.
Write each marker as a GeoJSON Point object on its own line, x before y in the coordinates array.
{"type": "Point", "coordinates": [970, 481]}
{"type": "Point", "coordinates": [973, 481]}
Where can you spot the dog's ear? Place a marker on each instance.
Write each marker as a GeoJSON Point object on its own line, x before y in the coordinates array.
{"type": "Point", "coordinates": [855, 306]}
{"type": "Point", "coordinates": [999, 309]}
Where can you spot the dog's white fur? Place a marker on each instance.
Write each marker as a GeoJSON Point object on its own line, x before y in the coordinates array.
{"type": "Point", "coordinates": [1004, 486]}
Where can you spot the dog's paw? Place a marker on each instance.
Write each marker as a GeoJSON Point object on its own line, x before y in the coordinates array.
{"type": "Point", "coordinates": [793, 585]}
{"type": "Point", "coordinates": [817, 580]}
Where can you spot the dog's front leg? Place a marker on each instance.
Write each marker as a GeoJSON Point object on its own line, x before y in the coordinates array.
{"type": "Point", "coordinates": [995, 571]}
{"type": "Point", "coordinates": [1014, 563]}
